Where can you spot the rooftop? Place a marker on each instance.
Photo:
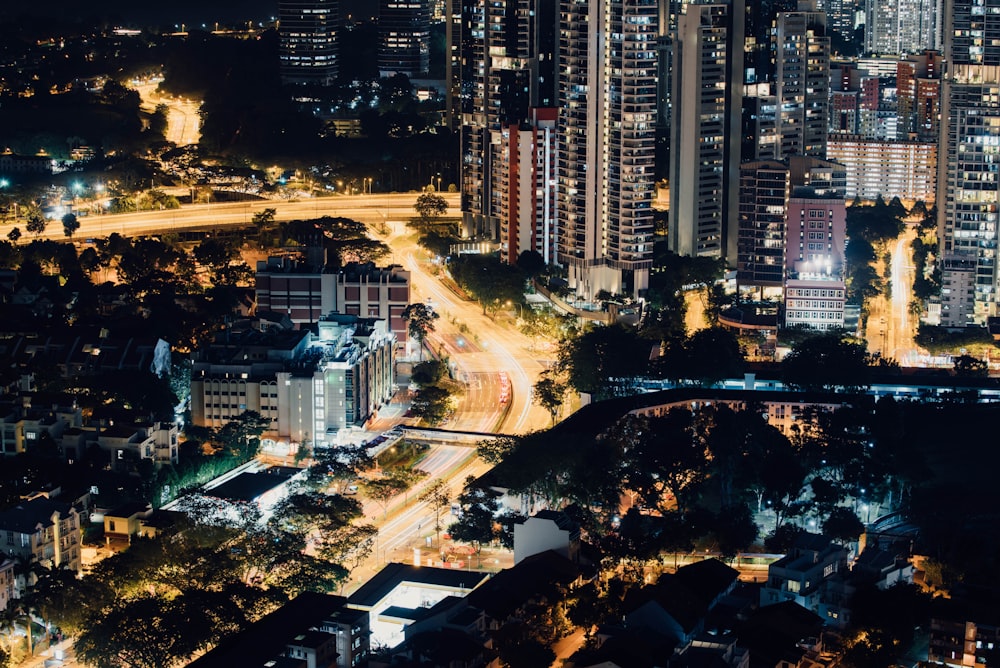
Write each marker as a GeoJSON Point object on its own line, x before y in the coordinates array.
{"type": "Point", "coordinates": [27, 516]}
{"type": "Point", "coordinates": [250, 486]}
{"type": "Point", "coordinates": [396, 574]}
{"type": "Point", "coordinates": [267, 638]}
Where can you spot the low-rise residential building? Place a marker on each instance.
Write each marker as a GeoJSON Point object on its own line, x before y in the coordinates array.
{"type": "Point", "coordinates": [7, 582]}
{"type": "Point", "coordinates": [677, 605]}
{"type": "Point", "coordinates": [312, 630]}
{"type": "Point", "coordinates": [308, 289]}
{"type": "Point", "coordinates": [963, 637]}
{"type": "Point", "coordinates": [546, 530]}
{"type": "Point", "coordinates": [124, 443]}
{"type": "Point", "coordinates": [42, 531]}
{"type": "Point", "coordinates": [817, 303]}
{"type": "Point", "coordinates": [396, 596]}
{"type": "Point", "coordinates": [124, 522]}
{"type": "Point", "coordinates": [24, 422]}
{"type": "Point", "coordinates": [310, 384]}
{"type": "Point", "coordinates": [804, 575]}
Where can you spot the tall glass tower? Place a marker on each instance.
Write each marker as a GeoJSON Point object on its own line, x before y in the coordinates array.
{"type": "Point", "coordinates": [308, 36]}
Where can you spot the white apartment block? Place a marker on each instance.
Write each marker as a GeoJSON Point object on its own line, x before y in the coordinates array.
{"type": "Point", "coordinates": [904, 169]}
{"type": "Point", "coordinates": [815, 304]}
{"type": "Point", "coordinates": [309, 384]}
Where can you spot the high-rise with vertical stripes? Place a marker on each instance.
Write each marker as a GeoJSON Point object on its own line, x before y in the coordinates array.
{"type": "Point", "coordinates": [560, 160]}
{"type": "Point", "coordinates": [705, 130]}
{"type": "Point", "coordinates": [607, 142]}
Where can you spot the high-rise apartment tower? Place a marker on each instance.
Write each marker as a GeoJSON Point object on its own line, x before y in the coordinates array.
{"type": "Point", "coordinates": [308, 35]}
{"type": "Point", "coordinates": [969, 163]}
{"type": "Point", "coordinates": [607, 139]}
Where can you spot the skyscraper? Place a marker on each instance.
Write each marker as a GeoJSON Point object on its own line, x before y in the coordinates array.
{"type": "Point", "coordinates": [918, 94]}
{"type": "Point", "coordinates": [507, 73]}
{"type": "Point", "coordinates": [802, 80]}
{"type": "Point", "coordinates": [308, 35]}
{"type": "Point", "coordinates": [607, 105]}
{"type": "Point", "coordinates": [969, 163]}
{"type": "Point", "coordinates": [404, 28]}
{"type": "Point", "coordinates": [902, 26]}
{"type": "Point", "coordinates": [705, 130]}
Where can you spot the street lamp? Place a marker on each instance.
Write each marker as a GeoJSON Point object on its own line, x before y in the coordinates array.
{"type": "Point", "coordinates": [77, 189]}
{"type": "Point", "coordinates": [438, 182]}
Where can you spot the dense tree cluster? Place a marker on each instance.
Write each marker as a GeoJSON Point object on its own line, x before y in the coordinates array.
{"type": "Point", "coordinates": [671, 277]}
{"type": "Point", "coordinates": [212, 574]}
{"type": "Point", "coordinates": [831, 362]}
{"type": "Point", "coordinates": [694, 476]}
{"type": "Point", "coordinates": [869, 228]}
{"type": "Point", "coordinates": [492, 283]}
{"type": "Point", "coordinates": [433, 400]}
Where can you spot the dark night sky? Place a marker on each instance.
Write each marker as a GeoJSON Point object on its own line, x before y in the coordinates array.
{"type": "Point", "coordinates": [160, 12]}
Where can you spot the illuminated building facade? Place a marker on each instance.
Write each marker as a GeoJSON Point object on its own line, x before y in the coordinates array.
{"type": "Point", "coordinates": [970, 161]}
{"type": "Point", "coordinates": [705, 139]}
{"type": "Point", "coordinates": [802, 81]}
{"type": "Point", "coordinates": [607, 143]}
{"type": "Point", "coordinates": [308, 37]}
{"type": "Point", "coordinates": [404, 32]}
{"type": "Point", "coordinates": [904, 169]}
{"type": "Point", "coordinates": [508, 78]}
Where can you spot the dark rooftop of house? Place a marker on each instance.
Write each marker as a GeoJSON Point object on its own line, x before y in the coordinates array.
{"type": "Point", "coordinates": [446, 647]}
{"type": "Point", "coordinates": [707, 578]}
{"type": "Point", "coordinates": [536, 577]}
{"type": "Point", "coordinates": [392, 575]}
{"type": "Point", "coordinates": [399, 612]}
{"type": "Point", "coordinates": [772, 633]}
{"type": "Point", "coordinates": [26, 516]}
{"type": "Point", "coordinates": [266, 639]}
{"type": "Point", "coordinates": [629, 648]}
{"type": "Point", "coordinates": [128, 510]}
{"type": "Point", "coordinates": [250, 486]}
{"type": "Point", "coordinates": [561, 519]}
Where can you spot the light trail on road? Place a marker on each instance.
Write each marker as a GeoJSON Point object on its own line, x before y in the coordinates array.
{"type": "Point", "coordinates": [183, 119]}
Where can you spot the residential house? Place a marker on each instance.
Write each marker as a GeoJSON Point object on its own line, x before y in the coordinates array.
{"type": "Point", "coordinates": [546, 530]}
{"type": "Point", "coordinates": [677, 605]}
{"type": "Point", "coordinates": [467, 624]}
{"type": "Point", "coordinates": [810, 575]}
{"type": "Point", "coordinates": [312, 630]}
{"type": "Point", "coordinates": [29, 419]}
{"type": "Point", "coordinates": [42, 531]}
{"type": "Point", "coordinates": [963, 634]}
{"type": "Point", "coordinates": [7, 582]}
{"type": "Point", "coordinates": [400, 594]}
{"type": "Point", "coordinates": [124, 522]}
{"type": "Point", "coordinates": [784, 635]}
